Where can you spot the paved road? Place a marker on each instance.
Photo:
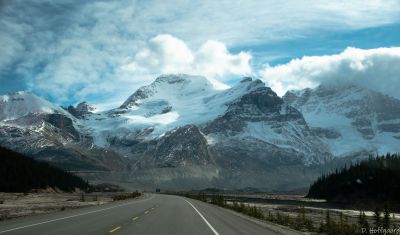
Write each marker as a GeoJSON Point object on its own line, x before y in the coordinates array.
{"type": "Point", "coordinates": [151, 214]}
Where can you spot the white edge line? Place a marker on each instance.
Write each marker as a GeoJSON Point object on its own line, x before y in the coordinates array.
{"type": "Point", "coordinates": [72, 216]}
{"type": "Point", "coordinates": [205, 220]}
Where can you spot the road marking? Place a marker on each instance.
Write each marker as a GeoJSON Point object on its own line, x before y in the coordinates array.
{"type": "Point", "coordinates": [135, 218]}
{"type": "Point", "coordinates": [146, 212]}
{"type": "Point", "coordinates": [198, 212]}
{"type": "Point", "coordinates": [152, 208]}
{"type": "Point", "coordinates": [72, 216]}
{"type": "Point", "coordinates": [115, 229]}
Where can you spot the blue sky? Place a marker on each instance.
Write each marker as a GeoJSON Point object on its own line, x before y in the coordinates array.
{"type": "Point", "coordinates": [102, 51]}
{"type": "Point", "coordinates": [325, 43]}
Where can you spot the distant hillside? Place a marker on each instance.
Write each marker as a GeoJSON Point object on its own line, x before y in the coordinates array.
{"type": "Point", "coordinates": [19, 173]}
{"type": "Point", "coordinates": [374, 180]}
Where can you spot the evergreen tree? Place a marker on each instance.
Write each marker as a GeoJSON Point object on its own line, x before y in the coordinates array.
{"type": "Point", "coordinates": [377, 217]}
{"type": "Point", "coordinates": [328, 219]}
{"type": "Point", "coordinates": [362, 220]}
{"type": "Point", "coordinates": [372, 180]}
{"type": "Point", "coordinates": [386, 217]}
{"type": "Point", "coordinates": [19, 173]}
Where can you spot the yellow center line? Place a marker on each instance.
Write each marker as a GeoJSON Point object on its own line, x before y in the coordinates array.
{"type": "Point", "coordinates": [115, 229]}
{"type": "Point", "coordinates": [135, 218]}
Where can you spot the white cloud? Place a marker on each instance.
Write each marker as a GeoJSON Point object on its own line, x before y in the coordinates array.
{"type": "Point", "coordinates": [214, 60]}
{"type": "Point", "coordinates": [73, 50]}
{"type": "Point", "coordinates": [10, 44]}
{"type": "Point", "coordinates": [376, 69]}
{"type": "Point", "coordinates": [245, 22]}
{"type": "Point", "coordinates": [79, 71]}
{"type": "Point", "coordinates": [167, 54]}
{"type": "Point", "coordinates": [163, 54]}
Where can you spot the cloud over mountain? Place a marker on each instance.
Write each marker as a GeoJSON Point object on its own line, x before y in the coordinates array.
{"type": "Point", "coordinates": [168, 54]}
{"type": "Point", "coordinates": [376, 69]}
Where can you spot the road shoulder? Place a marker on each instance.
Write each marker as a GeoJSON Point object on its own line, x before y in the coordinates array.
{"type": "Point", "coordinates": [271, 226]}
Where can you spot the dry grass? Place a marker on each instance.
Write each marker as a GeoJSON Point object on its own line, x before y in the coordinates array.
{"type": "Point", "coordinates": [22, 204]}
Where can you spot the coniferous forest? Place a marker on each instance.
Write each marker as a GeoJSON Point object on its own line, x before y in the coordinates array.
{"type": "Point", "coordinates": [375, 180]}
{"type": "Point", "coordinates": [19, 173]}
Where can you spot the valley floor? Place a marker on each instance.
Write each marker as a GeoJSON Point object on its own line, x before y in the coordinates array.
{"type": "Point", "coordinates": [13, 205]}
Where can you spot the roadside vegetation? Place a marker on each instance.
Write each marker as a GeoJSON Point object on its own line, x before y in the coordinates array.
{"type": "Point", "coordinates": [302, 221]}
{"type": "Point", "coordinates": [126, 196]}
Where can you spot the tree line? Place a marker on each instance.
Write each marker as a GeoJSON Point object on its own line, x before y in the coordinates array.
{"type": "Point", "coordinates": [19, 173]}
{"type": "Point", "coordinates": [373, 181]}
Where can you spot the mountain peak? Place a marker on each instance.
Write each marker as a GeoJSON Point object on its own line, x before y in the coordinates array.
{"type": "Point", "coordinates": [18, 104]}
{"type": "Point", "coordinates": [17, 95]}
{"type": "Point", "coordinates": [171, 85]}
{"type": "Point", "coordinates": [84, 107]}
{"type": "Point", "coordinates": [246, 79]}
{"type": "Point", "coordinates": [81, 110]}
{"type": "Point", "coordinates": [176, 78]}
{"type": "Point", "coordinates": [182, 80]}
{"type": "Point", "coordinates": [247, 84]}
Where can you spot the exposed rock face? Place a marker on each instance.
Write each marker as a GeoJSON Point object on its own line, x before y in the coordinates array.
{"type": "Point", "coordinates": [63, 124]}
{"type": "Point", "coordinates": [180, 147]}
{"type": "Point", "coordinates": [260, 124]}
{"type": "Point", "coordinates": [260, 105]}
{"type": "Point", "coordinates": [357, 118]}
{"type": "Point", "coordinates": [82, 110]}
{"type": "Point", "coordinates": [327, 133]}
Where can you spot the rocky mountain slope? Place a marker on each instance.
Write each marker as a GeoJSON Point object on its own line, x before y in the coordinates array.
{"type": "Point", "coordinates": [182, 132]}
{"type": "Point", "coordinates": [349, 118]}
{"type": "Point", "coordinates": [36, 127]}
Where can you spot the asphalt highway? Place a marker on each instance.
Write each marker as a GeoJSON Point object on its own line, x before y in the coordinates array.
{"type": "Point", "coordinates": [150, 214]}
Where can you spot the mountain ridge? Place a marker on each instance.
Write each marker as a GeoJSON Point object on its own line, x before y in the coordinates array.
{"type": "Point", "coordinates": [181, 130]}
{"type": "Point", "coordinates": [355, 117]}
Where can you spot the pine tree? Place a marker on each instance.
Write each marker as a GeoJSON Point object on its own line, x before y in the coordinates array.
{"type": "Point", "coordinates": [362, 220]}
{"type": "Point", "coordinates": [375, 179]}
{"type": "Point", "coordinates": [386, 217]}
{"type": "Point", "coordinates": [328, 219]}
{"type": "Point", "coordinates": [19, 173]}
{"type": "Point", "coordinates": [377, 218]}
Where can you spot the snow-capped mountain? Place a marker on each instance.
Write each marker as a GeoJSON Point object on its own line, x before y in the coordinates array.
{"type": "Point", "coordinates": [20, 104]}
{"type": "Point", "coordinates": [183, 132]}
{"type": "Point", "coordinates": [24, 110]}
{"type": "Point", "coordinates": [247, 112]}
{"type": "Point", "coordinates": [171, 101]}
{"type": "Point", "coordinates": [349, 118]}
{"type": "Point", "coordinates": [183, 122]}
{"type": "Point", "coordinates": [32, 125]}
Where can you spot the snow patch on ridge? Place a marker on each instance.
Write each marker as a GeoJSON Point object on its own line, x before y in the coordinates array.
{"type": "Point", "coordinates": [340, 108]}
{"type": "Point", "coordinates": [20, 104]}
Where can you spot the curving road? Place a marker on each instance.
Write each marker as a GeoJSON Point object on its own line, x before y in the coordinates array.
{"type": "Point", "coordinates": [151, 214]}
